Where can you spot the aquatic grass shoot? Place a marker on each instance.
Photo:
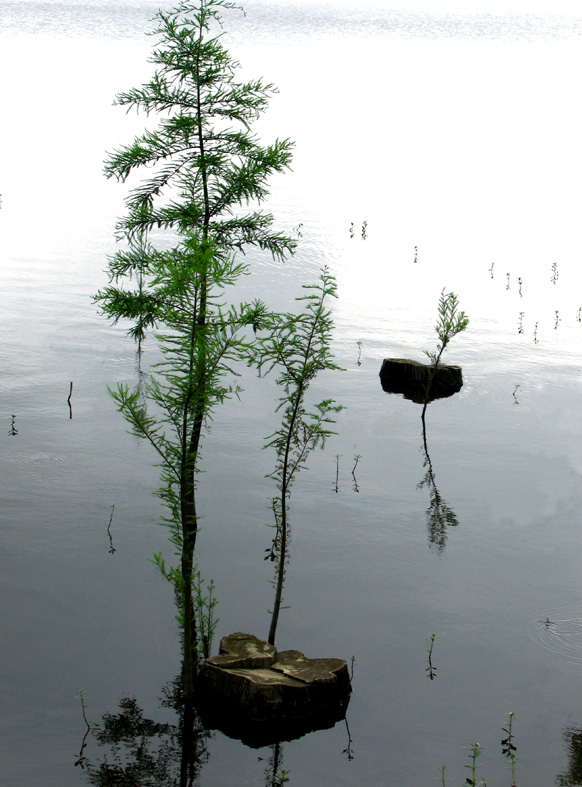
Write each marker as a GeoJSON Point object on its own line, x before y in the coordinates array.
{"type": "Point", "coordinates": [474, 752]}
{"type": "Point", "coordinates": [508, 747]}
{"type": "Point", "coordinates": [112, 549]}
{"type": "Point", "coordinates": [336, 484]}
{"type": "Point", "coordinates": [520, 324]}
{"type": "Point", "coordinates": [356, 486]}
{"type": "Point", "coordinates": [431, 670]}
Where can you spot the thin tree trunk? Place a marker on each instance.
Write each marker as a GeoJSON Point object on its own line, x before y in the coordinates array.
{"type": "Point", "coordinates": [283, 551]}
{"type": "Point", "coordinates": [190, 451]}
{"type": "Point", "coordinates": [285, 487]}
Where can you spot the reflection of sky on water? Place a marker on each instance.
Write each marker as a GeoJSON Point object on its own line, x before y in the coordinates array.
{"type": "Point", "coordinates": [476, 6]}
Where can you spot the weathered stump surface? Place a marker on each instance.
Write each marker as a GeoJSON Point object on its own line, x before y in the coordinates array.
{"type": "Point", "coordinates": [243, 651]}
{"type": "Point", "coordinates": [250, 681]}
{"type": "Point", "coordinates": [411, 378]}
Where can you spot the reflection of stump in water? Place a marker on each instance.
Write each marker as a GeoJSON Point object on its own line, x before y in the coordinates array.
{"type": "Point", "coordinates": [438, 515]}
{"type": "Point", "coordinates": [411, 378]}
{"type": "Point", "coordinates": [422, 383]}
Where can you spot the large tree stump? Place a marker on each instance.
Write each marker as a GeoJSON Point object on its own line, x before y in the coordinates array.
{"type": "Point", "coordinates": [411, 378]}
{"type": "Point", "coordinates": [252, 692]}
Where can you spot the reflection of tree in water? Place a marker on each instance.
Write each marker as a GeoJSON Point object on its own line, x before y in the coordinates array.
{"type": "Point", "coordinates": [438, 515]}
{"type": "Point", "coordinates": [275, 774]}
{"type": "Point", "coordinates": [573, 777]}
{"type": "Point", "coordinates": [349, 751]}
{"type": "Point", "coordinates": [145, 753]}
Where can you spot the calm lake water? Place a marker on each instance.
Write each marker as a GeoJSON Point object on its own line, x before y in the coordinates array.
{"type": "Point", "coordinates": [453, 141]}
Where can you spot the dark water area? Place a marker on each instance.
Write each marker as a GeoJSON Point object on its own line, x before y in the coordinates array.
{"type": "Point", "coordinates": [462, 156]}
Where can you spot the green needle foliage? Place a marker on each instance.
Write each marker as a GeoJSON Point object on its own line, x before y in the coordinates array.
{"type": "Point", "coordinates": [196, 375]}
{"type": "Point", "coordinates": [185, 221]}
{"type": "Point", "coordinates": [450, 322]}
{"type": "Point", "coordinates": [299, 346]}
{"type": "Point", "coordinates": [204, 166]}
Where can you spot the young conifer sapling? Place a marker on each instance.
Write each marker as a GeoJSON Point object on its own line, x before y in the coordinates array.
{"type": "Point", "coordinates": [299, 347]}
{"type": "Point", "coordinates": [202, 169]}
{"type": "Point", "coordinates": [450, 322]}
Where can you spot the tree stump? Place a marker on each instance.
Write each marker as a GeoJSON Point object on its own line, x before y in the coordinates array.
{"type": "Point", "coordinates": [254, 693]}
{"type": "Point", "coordinates": [411, 378]}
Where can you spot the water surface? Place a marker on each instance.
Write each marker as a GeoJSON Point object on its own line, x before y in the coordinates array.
{"type": "Point", "coordinates": [455, 137]}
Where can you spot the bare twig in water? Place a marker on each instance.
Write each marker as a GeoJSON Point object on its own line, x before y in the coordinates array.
{"type": "Point", "coordinates": [69, 400]}
{"type": "Point", "coordinates": [82, 761]}
{"type": "Point", "coordinates": [13, 430]}
{"type": "Point", "coordinates": [430, 669]}
{"type": "Point", "coordinates": [357, 459]}
{"type": "Point", "coordinates": [348, 751]}
{"type": "Point", "coordinates": [112, 549]}
{"type": "Point", "coordinates": [514, 396]}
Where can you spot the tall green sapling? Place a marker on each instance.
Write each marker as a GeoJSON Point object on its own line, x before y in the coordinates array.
{"type": "Point", "coordinates": [299, 346]}
{"type": "Point", "coordinates": [184, 224]}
